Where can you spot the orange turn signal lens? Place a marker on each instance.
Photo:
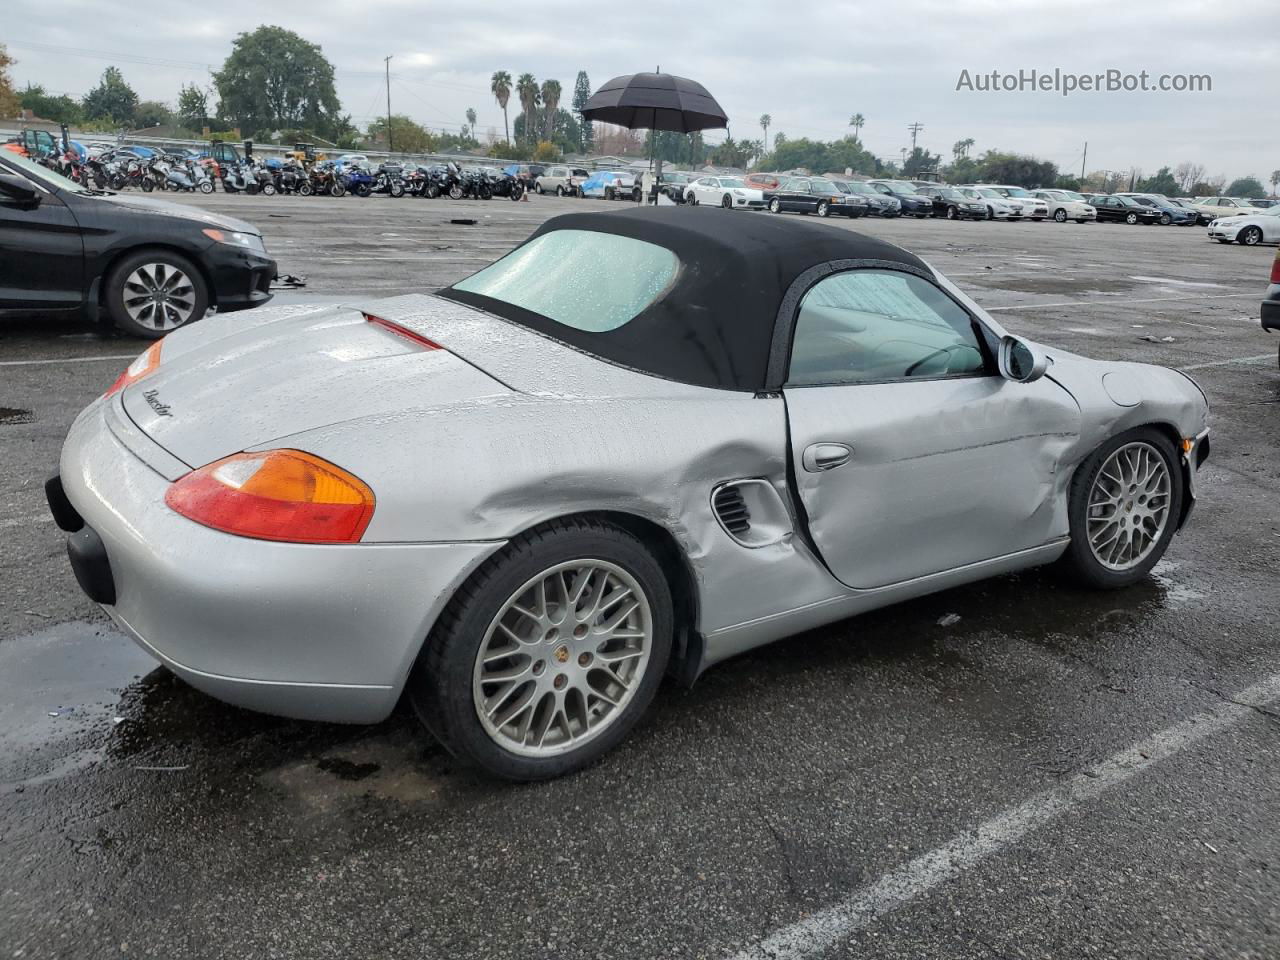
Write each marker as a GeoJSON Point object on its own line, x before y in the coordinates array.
{"type": "Point", "coordinates": [146, 363]}
{"type": "Point", "coordinates": [284, 495]}
{"type": "Point", "coordinates": [1187, 444]}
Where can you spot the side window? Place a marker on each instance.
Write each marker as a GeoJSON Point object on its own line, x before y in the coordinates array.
{"type": "Point", "coordinates": [871, 326]}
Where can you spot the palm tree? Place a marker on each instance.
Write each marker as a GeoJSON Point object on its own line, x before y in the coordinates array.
{"type": "Point", "coordinates": [1275, 181]}
{"type": "Point", "coordinates": [500, 86]}
{"type": "Point", "coordinates": [857, 121]}
{"type": "Point", "coordinates": [550, 103]}
{"type": "Point", "coordinates": [765, 121]}
{"type": "Point", "coordinates": [471, 121]}
{"type": "Point", "coordinates": [961, 147]}
{"type": "Point", "coordinates": [527, 91]}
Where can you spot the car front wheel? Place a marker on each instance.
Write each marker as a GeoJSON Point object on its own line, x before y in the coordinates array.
{"type": "Point", "coordinates": [154, 292]}
{"type": "Point", "coordinates": [775, 206]}
{"type": "Point", "coordinates": [824, 209]}
{"type": "Point", "coordinates": [548, 656]}
{"type": "Point", "coordinates": [1125, 503]}
{"type": "Point", "coordinates": [1060, 215]}
{"type": "Point", "coordinates": [1131, 218]}
{"type": "Point", "coordinates": [1250, 236]}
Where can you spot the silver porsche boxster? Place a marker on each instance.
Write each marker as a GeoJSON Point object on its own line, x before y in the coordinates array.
{"type": "Point", "coordinates": [638, 444]}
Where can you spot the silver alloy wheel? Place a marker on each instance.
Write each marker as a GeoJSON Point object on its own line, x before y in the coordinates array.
{"type": "Point", "coordinates": [563, 658]}
{"type": "Point", "coordinates": [160, 296]}
{"type": "Point", "coordinates": [1129, 506]}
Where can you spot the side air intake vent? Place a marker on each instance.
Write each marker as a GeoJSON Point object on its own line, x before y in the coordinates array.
{"type": "Point", "coordinates": [732, 510]}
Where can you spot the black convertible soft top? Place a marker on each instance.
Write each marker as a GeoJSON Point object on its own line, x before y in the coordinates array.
{"type": "Point", "coordinates": [714, 326]}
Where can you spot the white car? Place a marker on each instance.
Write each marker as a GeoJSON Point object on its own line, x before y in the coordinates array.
{"type": "Point", "coordinates": [999, 207]}
{"type": "Point", "coordinates": [561, 179]}
{"type": "Point", "coordinates": [1213, 207]}
{"type": "Point", "coordinates": [1032, 208]}
{"type": "Point", "coordinates": [732, 193]}
{"type": "Point", "coordinates": [1067, 205]}
{"type": "Point", "coordinates": [1262, 226]}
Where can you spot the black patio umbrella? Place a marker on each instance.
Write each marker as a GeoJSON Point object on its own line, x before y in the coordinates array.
{"type": "Point", "coordinates": [655, 101]}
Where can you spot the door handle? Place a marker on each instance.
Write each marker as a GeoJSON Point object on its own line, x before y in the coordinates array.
{"type": "Point", "coordinates": [825, 456]}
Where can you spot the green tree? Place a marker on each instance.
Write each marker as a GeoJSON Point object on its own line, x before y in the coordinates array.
{"type": "Point", "coordinates": [960, 149]}
{"type": "Point", "coordinates": [1066, 182]}
{"type": "Point", "coordinates": [766, 121]}
{"type": "Point", "coordinates": [528, 93]}
{"type": "Point", "coordinates": [1016, 169]}
{"type": "Point", "coordinates": [581, 94]}
{"type": "Point", "coordinates": [193, 106]}
{"type": "Point", "coordinates": [9, 103]}
{"type": "Point", "coordinates": [112, 99]}
{"type": "Point", "coordinates": [61, 109]}
{"type": "Point", "coordinates": [274, 79]}
{"type": "Point", "coordinates": [1246, 187]}
{"type": "Point", "coordinates": [152, 113]}
{"type": "Point", "coordinates": [565, 133]}
{"type": "Point", "coordinates": [921, 163]}
{"type": "Point", "coordinates": [546, 152]}
{"type": "Point", "coordinates": [500, 87]}
{"type": "Point", "coordinates": [857, 121]}
{"type": "Point", "coordinates": [550, 104]}
{"type": "Point", "coordinates": [1163, 182]}
{"type": "Point", "coordinates": [408, 137]}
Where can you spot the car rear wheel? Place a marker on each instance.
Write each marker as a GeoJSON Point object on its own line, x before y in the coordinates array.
{"type": "Point", "coordinates": [538, 188]}
{"type": "Point", "coordinates": [1125, 501]}
{"type": "Point", "coordinates": [154, 292]}
{"type": "Point", "coordinates": [693, 200]}
{"type": "Point", "coordinates": [1250, 236]}
{"type": "Point", "coordinates": [1060, 215]}
{"type": "Point", "coordinates": [1131, 218]}
{"type": "Point", "coordinates": [549, 654]}
{"type": "Point", "coordinates": [775, 206]}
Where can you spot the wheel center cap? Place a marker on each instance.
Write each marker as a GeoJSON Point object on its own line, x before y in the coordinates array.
{"type": "Point", "coordinates": [562, 654]}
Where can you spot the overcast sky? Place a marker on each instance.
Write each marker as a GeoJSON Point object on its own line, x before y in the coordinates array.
{"type": "Point", "coordinates": [809, 65]}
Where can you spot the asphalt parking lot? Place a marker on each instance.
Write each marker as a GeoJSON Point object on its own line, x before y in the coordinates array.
{"type": "Point", "coordinates": [1013, 769]}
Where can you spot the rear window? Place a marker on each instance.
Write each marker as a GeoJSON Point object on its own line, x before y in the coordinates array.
{"type": "Point", "coordinates": [589, 281]}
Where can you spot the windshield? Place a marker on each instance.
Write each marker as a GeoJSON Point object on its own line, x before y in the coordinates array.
{"type": "Point", "coordinates": [858, 187]}
{"type": "Point", "coordinates": [562, 275]}
{"type": "Point", "coordinates": [1016, 192]}
{"type": "Point", "coordinates": [1072, 195]}
{"type": "Point", "coordinates": [899, 186]}
{"type": "Point", "coordinates": [731, 182]}
{"type": "Point", "coordinates": [823, 186]}
{"type": "Point", "coordinates": [952, 195]}
{"type": "Point", "coordinates": [43, 175]}
{"type": "Point", "coordinates": [988, 192]}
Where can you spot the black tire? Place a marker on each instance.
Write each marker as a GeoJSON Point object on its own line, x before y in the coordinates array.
{"type": "Point", "coordinates": [1060, 215]}
{"type": "Point", "coordinates": [1250, 236]}
{"type": "Point", "coordinates": [636, 195]}
{"type": "Point", "coordinates": [206, 186]}
{"type": "Point", "coordinates": [269, 190]}
{"type": "Point", "coordinates": [148, 185]}
{"type": "Point", "coordinates": [456, 192]}
{"type": "Point", "coordinates": [440, 686]}
{"type": "Point", "coordinates": [362, 190]}
{"type": "Point", "coordinates": [952, 213]}
{"type": "Point", "coordinates": [726, 202]}
{"type": "Point", "coordinates": [1131, 218]}
{"type": "Point", "coordinates": [432, 191]}
{"type": "Point", "coordinates": [823, 209]}
{"type": "Point", "coordinates": [517, 191]}
{"type": "Point", "coordinates": [396, 190]}
{"type": "Point", "coordinates": [692, 201]}
{"type": "Point", "coordinates": [305, 189]}
{"type": "Point", "coordinates": [991, 213]}
{"type": "Point", "coordinates": [559, 191]}
{"type": "Point", "coordinates": [538, 188]}
{"type": "Point", "coordinates": [609, 193]}
{"type": "Point", "coordinates": [774, 205]}
{"type": "Point", "coordinates": [1165, 219]}
{"type": "Point", "coordinates": [1079, 562]}
{"type": "Point", "coordinates": [113, 291]}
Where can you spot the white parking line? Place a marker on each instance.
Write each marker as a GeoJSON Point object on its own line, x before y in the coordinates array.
{"type": "Point", "coordinates": [1111, 303]}
{"type": "Point", "coordinates": [1222, 363]}
{"type": "Point", "coordinates": [32, 363]}
{"type": "Point", "coordinates": [825, 928]}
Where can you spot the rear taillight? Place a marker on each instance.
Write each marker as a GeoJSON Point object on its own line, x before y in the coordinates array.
{"type": "Point", "coordinates": [282, 495]}
{"type": "Point", "coordinates": [405, 332]}
{"type": "Point", "coordinates": [1275, 268]}
{"type": "Point", "coordinates": [147, 363]}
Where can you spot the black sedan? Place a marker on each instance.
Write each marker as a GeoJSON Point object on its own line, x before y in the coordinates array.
{"type": "Point", "coordinates": [907, 194]}
{"type": "Point", "coordinates": [954, 205]}
{"type": "Point", "coordinates": [813, 195]}
{"type": "Point", "coordinates": [151, 266]}
{"type": "Point", "coordinates": [1123, 210]}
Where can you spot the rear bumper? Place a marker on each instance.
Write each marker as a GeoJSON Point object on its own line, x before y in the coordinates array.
{"type": "Point", "coordinates": [318, 632]}
{"type": "Point", "coordinates": [1271, 307]}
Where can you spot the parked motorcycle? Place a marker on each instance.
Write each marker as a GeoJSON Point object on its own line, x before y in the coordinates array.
{"type": "Point", "coordinates": [357, 180]}
{"type": "Point", "coordinates": [505, 185]}
{"type": "Point", "coordinates": [132, 173]}
{"type": "Point", "coordinates": [239, 178]}
{"type": "Point", "coordinates": [325, 180]}
{"type": "Point", "coordinates": [390, 180]}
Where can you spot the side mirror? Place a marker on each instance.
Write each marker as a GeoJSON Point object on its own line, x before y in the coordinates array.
{"type": "Point", "coordinates": [19, 191]}
{"type": "Point", "coordinates": [1020, 361]}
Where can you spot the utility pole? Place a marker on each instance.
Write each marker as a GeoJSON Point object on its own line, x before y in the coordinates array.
{"type": "Point", "coordinates": [915, 128]}
{"type": "Point", "coordinates": [1083, 159]}
{"type": "Point", "coordinates": [390, 148]}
